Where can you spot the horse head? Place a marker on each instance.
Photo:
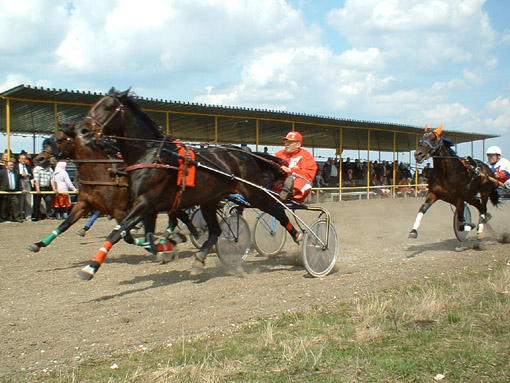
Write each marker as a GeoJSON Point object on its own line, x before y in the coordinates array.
{"type": "Point", "coordinates": [64, 141]}
{"type": "Point", "coordinates": [48, 155]}
{"type": "Point", "coordinates": [430, 144]}
{"type": "Point", "coordinates": [116, 115]}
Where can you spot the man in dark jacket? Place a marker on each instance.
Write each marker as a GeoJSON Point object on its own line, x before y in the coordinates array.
{"type": "Point", "coordinates": [10, 183]}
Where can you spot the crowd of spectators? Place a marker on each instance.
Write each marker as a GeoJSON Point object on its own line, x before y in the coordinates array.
{"type": "Point", "coordinates": [355, 174]}
{"type": "Point", "coordinates": [31, 192]}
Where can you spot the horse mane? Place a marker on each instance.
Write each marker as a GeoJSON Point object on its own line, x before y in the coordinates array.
{"type": "Point", "coordinates": [67, 129]}
{"type": "Point", "coordinates": [149, 126]}
{"type": "Point", "coordinates": [270, 167]}
{"type": "Point", "coordinates": [51, 143]}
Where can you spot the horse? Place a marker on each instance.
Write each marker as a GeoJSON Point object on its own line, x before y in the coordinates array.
{"type": "Point", "coordinates": [155, 166]}
{"type": "Point", "coordinates": [103, 185]}
{"type": "Point", "coordinates": [454, 180]}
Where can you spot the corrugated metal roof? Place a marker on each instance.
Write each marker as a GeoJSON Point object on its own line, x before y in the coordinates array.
{"type": "Point", "coordinates": [32, 111]}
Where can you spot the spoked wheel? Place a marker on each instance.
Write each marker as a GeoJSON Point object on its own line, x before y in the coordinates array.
{"type": "Point", "coordinates": [462, 235]}
{"type": "Point", "coordinates": [317, 259]}
{"type": "Point", "coordinates": [199, 222]}
{"type": "Point", "coordinates": [233, 244]}
{"type": "Point", "coordinates": [268, 235]}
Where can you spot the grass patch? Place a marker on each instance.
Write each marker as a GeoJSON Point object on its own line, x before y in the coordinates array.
{"type": "Point", "coordinates": [450, 331]}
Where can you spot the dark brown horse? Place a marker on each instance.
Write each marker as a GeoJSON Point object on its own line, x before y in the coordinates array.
{"type": "Point", "coordinates": [154, 167]}
{"type": "Point", "coordinates": [454, 180]}
{"type": "Point", "coordinates": [103, 185]}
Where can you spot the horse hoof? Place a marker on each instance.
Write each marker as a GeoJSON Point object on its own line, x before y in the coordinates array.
{"type": "Point", "coordinates": [197, 268]}
{"type": "Point", "coordinates": [87, 273]}
{"type": "Point", "coordinates": [480, 236]}
{"type": "Point", "coordinates": [168, 257]}
{"type": "Point", "coordinates": [298, 238]}
{"type": "Point", "coordinates": [153, 248]}
{"type": "Point", "coordinates": [81, 233]}
{"type": "Point", "coordinates": [177, 238]}
{"type": "Point", "coordinates": [413, 234]}
{"type": "Point", "coordinates": [34, 248]}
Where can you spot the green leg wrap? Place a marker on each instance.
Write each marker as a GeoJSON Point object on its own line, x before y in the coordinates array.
{"type": "Point", "coordinates": [54, 234]}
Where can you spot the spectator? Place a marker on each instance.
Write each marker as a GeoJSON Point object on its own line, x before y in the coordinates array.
{"type": "Point", "coordinates": [5, 158]}
{"type": "Point", "coordinates": [43, 182]}
{"type": "Point", "coordinates": [349, 179]}
{"type": "Point", "coordinates": [25, 199]}
{"type": "Point", "coordinates": [333, 173]}
{"type": "Point", "coordinates": [426, 172]}
{"type": "Point", "coordinates": [319, 183]}
{"type": "Point", "coordinates": [10, 182]}
{"type": "Point", "coordinates": [326, 170]}
{"type": "Point", "coordinates": [61, 201]}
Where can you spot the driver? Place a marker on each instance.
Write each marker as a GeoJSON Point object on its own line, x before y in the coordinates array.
{"type": "Point", "coordinates": [301, 166]}
{"type": "Point", "coordinates": [500, 166]}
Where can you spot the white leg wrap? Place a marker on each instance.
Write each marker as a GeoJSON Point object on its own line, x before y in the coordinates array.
{"type": "Point", "coordinates": [89, 270]}
{"type": "Point", "coordinates": [417, 222]}
{"type": "Point", "coordinates": [480, 228]}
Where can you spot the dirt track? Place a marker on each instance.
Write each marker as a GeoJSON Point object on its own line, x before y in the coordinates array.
{"type": "Point", "coordinates": [48, 316]}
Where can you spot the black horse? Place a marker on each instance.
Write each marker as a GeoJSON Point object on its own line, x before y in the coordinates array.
{"type": "Point", "coordinates": [155, 164]}
{"type": "Point", "coordinates": [102, 183]}
{"type": "Point", "coordinates": [454, 180]}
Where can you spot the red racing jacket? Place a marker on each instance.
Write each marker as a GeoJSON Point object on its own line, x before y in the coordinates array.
{"type": "Point", "coordinates": [300, 162]}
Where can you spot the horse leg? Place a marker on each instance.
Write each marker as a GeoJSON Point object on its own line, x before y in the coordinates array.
{"type": "Point", "coordinates": [79, 210]}
{"type": "Point", "coordinates": [429, 201]}
{"type": "Point", "coordinates": [214, 231]}
{"type": "Point", "coordinates": [120, 231]}
{"type": "Point", "coordinates": [89, 224]}
{"type": "Point", "coordinates": [461, 219]}
{"type": "Point", "coordinates": [183, 216]}
{"type": "Point", "coordinates": [482, 217]}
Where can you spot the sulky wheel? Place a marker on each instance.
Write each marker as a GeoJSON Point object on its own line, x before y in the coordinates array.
{"type": "Point", "coordinates": [268, 235]}
{"type": "Point", "coordinates": [462, 235]}
{"type": "Point", "coordinates": [318, 259]}
{"type": "Point", "coordinates": [233, 244]}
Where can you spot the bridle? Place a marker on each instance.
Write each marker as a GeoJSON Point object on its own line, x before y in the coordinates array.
{"type": "Point", "coordinates": [430, 149]}
{"type": "Point", "coordinates": [94, 123]}
{"type": "Point", "coordinates": [64, 153]}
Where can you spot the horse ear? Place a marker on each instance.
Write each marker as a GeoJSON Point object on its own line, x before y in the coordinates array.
{"type": "Point", "coordinates": [125, 93]}
{"type": "Point", "coordinates": [439, 130]}
{"type": "Point", "coordinates": [426, 127]}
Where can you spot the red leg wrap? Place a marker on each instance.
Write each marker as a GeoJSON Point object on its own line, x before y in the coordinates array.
{"type": "Point", "coordinates": [103, 252]}
{"type": "Point", "coordinates": [289, 226]}
{"type": "Point", "coordinates": [167, 246]}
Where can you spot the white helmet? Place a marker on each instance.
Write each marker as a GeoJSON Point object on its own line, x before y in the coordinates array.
{"type": "Point", "coordinates": [494, 150]}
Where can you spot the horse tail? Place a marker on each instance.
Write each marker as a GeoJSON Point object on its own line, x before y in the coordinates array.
{"type": "Point", "coordinates": [494, 196]}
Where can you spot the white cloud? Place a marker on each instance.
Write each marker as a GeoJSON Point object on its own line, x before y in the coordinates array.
{"type": "Point", "coordinates": [429, 34]}
{"type": "Point", "coordinates": [499, 109]}
{"type": "Point", "coordinates": [13, 80]}
{"type": "Point", "coordinates": [409, 62]}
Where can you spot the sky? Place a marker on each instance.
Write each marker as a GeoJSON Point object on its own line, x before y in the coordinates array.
{"type": "Point", "coordinates": [397, 61]}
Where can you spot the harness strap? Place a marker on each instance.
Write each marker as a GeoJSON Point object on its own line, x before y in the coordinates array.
{"type": "Point", "coordinates": [103, 183]}
{"type": "Point", "coordinates": [151, 166]}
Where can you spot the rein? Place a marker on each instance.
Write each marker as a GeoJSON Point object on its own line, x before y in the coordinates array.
{"type": "Point", "coordinates": [102, 125]}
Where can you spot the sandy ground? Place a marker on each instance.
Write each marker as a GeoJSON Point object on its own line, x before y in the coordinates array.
{"type": "Point", "coordinates": [48, 316]}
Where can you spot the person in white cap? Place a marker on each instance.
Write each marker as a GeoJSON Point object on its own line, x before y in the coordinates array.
{"type": "Point", "coordinates": [301, 168]}
{"type": "Point", "coordinates": [500, 166]}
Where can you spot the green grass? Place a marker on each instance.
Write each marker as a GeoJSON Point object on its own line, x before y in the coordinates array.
{"type": "Point", "coordinates": [458, 328]}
